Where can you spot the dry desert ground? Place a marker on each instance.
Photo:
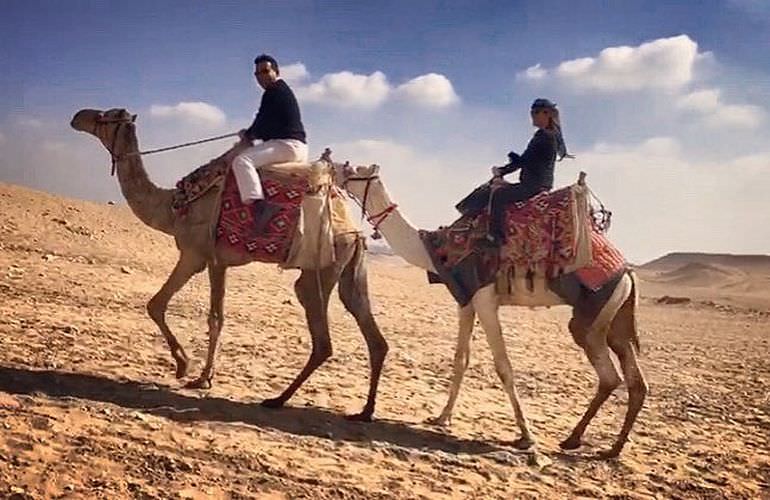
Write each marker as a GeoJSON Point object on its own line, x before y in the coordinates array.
{"type": "Point", "coordinates": [90, 408]}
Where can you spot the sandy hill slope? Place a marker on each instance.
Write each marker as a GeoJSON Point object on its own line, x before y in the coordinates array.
{"type": "Point", "coordinates": [737, 280]}
{"type": "Point", "coordinates": [747, 263]}
{"type": "Point", "coordinates": [89, 407]}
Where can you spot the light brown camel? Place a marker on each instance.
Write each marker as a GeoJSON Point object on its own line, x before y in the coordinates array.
{"type": "Point", "coordinates": [197, 251]}
{"type": "Point", "coordinates": [602, 321]}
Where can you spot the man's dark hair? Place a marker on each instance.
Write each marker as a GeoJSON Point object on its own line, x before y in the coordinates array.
{"type": "Point", "coordinates": [266, 58]}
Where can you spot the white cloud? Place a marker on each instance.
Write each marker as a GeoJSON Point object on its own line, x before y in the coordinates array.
{"type": "Point", "coordinates": [536, 72]}
{"type": "Point", "coordinates": [665, 63]}
{"type": "Point", "coordinates": [193, 113]}
{"type": "Point", "coordinates": [664, 201]}
{"type": "Point", "coordinates": [296, 72]}
{"type": "Point", "coordinates": [431, 90]}
{"type": "Point", "coordinates": [53, 146]}
{"type": "Point", "coordinates": [705, 101]}
{"type": "Point", "coordinates": [708, 103]}
{"type": "Point", "coordinates": [29, 122]}
{"type": "Point", "coordinates": [351, 90]}
{"type": "Point", "coordinates": [346, 89]}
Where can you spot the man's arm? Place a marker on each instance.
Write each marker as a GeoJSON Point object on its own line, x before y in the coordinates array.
{"type": "Point", "coordinates": [257, 129]}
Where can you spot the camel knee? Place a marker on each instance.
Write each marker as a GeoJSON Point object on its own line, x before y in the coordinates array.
{"type": "Point", "coordinates": [505, 372]}
{"type": "Point", "coordinates": [156, 309]}
{"type": "Point", "coordinates": [579, 332]}
{"type": "Point", "coordinates": [215, 321]}
{"type": "Point", "coordinates": [322, 351]}
{"type": "Point", "coordinates": [462, 358]}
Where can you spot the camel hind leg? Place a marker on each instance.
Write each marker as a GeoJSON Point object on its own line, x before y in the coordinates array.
{"type": "Point", "coordinates": [312, 289]}
{"type": "Point", "coordinates": [624, 341]}
{"type": "Point", "coordinates": [354, 294]}
{"type": "Point", "coordinates": [593, 340]}
{"type": "Point", "coordinates": [465, 315]}
{"type": "Point", "coordinates": [189, 264]}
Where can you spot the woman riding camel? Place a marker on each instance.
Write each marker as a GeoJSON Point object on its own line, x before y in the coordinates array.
{"type": "Point", "coordinates": [536, 165]}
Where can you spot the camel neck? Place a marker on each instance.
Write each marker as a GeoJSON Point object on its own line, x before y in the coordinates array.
{"type": "Point", "coordinates": [150, 203]}
{"type": "Point", "coordinates": [400, 234]}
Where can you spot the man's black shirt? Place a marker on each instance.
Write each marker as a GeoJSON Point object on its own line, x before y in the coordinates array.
{"type": "Point", "coordinates": [278, 116]}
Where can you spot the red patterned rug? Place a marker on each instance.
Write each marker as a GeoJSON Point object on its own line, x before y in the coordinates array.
{"type": "Point", "coordinates": [607, 263]}
{"type": "Point", "coordinates": [541, 232]}
{"type": "Point", "coordinates": [235, 227]}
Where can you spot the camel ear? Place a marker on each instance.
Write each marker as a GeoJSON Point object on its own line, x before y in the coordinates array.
{"type": "Point", "coordinates": [375, 169]}
{"type": "Point", "coordinates": [133, 118]}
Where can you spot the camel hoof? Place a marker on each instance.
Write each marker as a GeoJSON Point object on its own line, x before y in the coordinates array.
{"type": "Point", "coordinates": [198, 383]}
{"type": "Point", "coordinates": [609, 454]}
{"type": "Point", "coordinates": [273, 403]}
{"type": "Point", "coordinates": [571, 444]}
{"type": "Point", "coordinates": [523, 443]}
{"type": "Point", "coordinates": [360, 417]}
{"type": "Point", "coordinates": [440, 421]}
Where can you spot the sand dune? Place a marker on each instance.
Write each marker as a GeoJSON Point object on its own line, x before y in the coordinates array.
{"type": "Point", "coordinates": [703, 275]}
{"type": "Point", "coordinates": [746, 263]}
{"type": "Point", "coordinates": [89, 407]}
{"type": "Point", "coordinates": [741, 281]}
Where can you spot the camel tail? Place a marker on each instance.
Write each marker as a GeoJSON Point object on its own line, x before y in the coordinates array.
{"type": "Point", "coordinates": [634, 306]}
{"type": "Point", "coordinates": [618, 300]}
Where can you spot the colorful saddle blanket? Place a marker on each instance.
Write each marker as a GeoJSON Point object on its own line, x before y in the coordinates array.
{"type": "Point", "coordinates": [547, 235]}
{"type": "Point", "coordinates": [289, 238]}
{"type": "Point", "coordinates": [235, 227]}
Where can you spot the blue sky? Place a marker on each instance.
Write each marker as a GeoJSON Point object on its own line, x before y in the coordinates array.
{"type": "Point", "coordinates": [664, 103]}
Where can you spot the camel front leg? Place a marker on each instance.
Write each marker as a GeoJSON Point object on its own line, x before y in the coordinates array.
{"type": "Point", "coordinates": [188, 265]}
{"type": "Point", "coordinates": [486, 306]}
{"type": "Point", "coordinates": [465, 315]}
{"type": "Point", "coordinates": [215, 321]}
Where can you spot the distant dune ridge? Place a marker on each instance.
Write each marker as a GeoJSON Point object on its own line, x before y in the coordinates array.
{"type": "Point", "coordinates": [740, 280]}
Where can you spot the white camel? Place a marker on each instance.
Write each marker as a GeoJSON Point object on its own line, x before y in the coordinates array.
{"type": "Point", "coordinates": [602, 321]}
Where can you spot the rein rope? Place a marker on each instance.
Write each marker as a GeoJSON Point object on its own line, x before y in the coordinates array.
{"type": "Point", "coordinates": [184, 145]}
{"type": "Point", "coordinates": [123, 121]}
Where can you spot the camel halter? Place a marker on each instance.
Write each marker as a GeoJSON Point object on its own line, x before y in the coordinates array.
{"type": "Point", "coordinates": [374, 219]}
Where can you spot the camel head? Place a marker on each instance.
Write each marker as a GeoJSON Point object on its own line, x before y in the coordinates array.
{"type": "Point", "coordinates": [356, 180]}
{"type": "Point", "coordinates": [108, 126]}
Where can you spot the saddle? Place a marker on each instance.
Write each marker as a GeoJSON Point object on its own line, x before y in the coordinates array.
{"type": "Point", "coordinates": [548, 235]}
{"type": "Point", "coordinates": [300, 234]}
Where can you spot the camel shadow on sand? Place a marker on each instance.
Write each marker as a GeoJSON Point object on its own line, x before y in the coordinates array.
{"type": "Point", "coordinates": [163, 401]}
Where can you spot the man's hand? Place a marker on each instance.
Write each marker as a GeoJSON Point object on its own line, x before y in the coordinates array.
{"type": "Point", "coordinates": [242, 135]}
{"type": "Point", "coordinates": [497, 172]}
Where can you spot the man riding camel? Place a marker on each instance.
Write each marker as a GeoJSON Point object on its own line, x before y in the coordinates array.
{"type": "Point", "coordinates": [278, 125]}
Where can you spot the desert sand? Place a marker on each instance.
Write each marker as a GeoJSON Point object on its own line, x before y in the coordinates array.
{"type": "Point", "coordinates": [89, 407]}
